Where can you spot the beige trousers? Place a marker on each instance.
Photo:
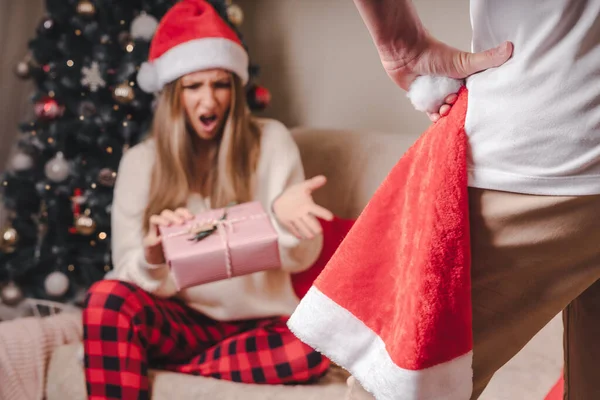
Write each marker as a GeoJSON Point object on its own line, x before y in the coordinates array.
{"type": "Point", "coordinates": [533, 257]}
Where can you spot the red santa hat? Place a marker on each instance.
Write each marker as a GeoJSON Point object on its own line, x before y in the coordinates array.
{"type": "Point", "coordinates": [191, 37]}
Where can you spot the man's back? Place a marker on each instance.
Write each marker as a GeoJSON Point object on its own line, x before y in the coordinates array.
{"type": "Point", "coordinates": [534, 122]}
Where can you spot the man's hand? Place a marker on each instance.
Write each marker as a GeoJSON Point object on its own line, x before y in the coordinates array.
{"type": "Point", "coordinates": [407, 50]}
{"type": "Point", "coordinates": [433, 57]}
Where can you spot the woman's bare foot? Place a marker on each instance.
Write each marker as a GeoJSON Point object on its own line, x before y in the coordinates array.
{"type": "Point", "coordinates": [356, 391]}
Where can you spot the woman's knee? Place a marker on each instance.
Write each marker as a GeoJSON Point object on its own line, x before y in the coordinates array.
{"type": "Point", "coordinates": [107, 299]}
{"type": "Point", "coordinates": [305, 364]}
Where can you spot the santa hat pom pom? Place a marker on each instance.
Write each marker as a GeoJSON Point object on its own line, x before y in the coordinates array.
{"type": "Point", "coordinates": [147, 78]}
{"type": "Point", "coordinates": [427, 93]}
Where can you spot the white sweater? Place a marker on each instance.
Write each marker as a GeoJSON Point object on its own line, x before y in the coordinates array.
{"type": "Point", "coordinates": [262, 294]}
{"type": "Point", "coordinates": [534, 122]}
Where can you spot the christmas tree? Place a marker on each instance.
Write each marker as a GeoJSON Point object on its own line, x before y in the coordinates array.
{"type": "Point", "coordinates": [57, 192]}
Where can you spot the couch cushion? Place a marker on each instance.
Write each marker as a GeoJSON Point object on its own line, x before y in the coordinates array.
{"type": "Point", "coordinates": [355, 164]}
{"type": "Point", "coordinates": [66, 380]}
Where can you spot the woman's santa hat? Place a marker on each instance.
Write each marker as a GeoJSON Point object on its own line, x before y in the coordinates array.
{"type": "Point", "coordinates": [191, 37]}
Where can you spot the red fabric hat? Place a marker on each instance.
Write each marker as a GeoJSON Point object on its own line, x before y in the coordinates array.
{"type": "Point", "coordinates": [191, 37]}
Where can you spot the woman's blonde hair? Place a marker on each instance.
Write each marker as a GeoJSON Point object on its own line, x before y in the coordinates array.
{"type": "Point", "coordinates": [231, 176]}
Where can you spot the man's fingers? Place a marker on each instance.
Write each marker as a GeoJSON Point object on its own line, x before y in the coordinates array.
{"type": "Point", "coordinates": [433, 116]}
{"type": "Point", "coordinates": [451, 98]}
{"type": "Point", "coordinates": [471, 63]}
{"type": "Point", "coordinates": [444, 110]}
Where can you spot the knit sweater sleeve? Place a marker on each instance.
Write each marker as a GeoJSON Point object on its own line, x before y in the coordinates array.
{"type": "Point", "coordinates": [129, 203]}
{"type": "Point", "coordinates": [279, 167]}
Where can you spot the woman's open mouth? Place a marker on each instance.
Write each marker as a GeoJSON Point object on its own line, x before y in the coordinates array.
{"type": "Point", "coordinates": [209, 122]}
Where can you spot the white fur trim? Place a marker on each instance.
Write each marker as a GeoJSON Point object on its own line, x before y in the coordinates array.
{"type": "Point", "coordinates": [147, 78]}
{"type": "Point", "coordinates": [427, 93]}
{"type": "Point", "coordinates": [197, 55]}
{"type": "Point", "coordinates": [340, 336]}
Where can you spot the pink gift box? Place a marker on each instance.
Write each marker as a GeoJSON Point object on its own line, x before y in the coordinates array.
{"type": "Point", "coordinates": [243, 243]}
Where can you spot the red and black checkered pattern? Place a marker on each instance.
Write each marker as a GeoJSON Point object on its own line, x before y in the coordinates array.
{"type": "Point", "coordinates": [126, 329]}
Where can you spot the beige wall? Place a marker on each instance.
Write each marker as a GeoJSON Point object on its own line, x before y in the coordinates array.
{"type": "Point", "coordinates": [317, 58]}
{"type": "Point", "coordinates": [18, 20]}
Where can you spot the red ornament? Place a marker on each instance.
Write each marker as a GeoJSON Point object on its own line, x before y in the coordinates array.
{"type": "Point", "coordinates": [259, 98]}
{"type": "Point", "coordinates": [76, 202]}
{"type": "Point", "coordinates": [48, 108]}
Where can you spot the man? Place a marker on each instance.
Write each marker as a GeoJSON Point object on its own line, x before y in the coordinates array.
{"type": "Point", "coordinates": [534, 169]}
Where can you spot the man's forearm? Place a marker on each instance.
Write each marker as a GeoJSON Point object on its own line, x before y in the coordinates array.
{"type": "Point", "coordinates": [394, 26]}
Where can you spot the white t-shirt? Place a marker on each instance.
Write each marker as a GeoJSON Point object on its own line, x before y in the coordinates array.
{"type": "Point", "coordinates": [534, 122]}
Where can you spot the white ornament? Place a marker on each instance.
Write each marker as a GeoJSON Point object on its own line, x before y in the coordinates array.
{"type": "Point", "coordinates": [56, 284]}
{"type": "Point", "coordinates": [143, 27]}
{"type": "Point", "coordinates": [92, 77]}
{"type": "Point", "coordinates": [57, 169]}
{"type": "Point", "coordinates": [11, 294]}
{"type": "Point", "coordinates": [21, 162]}
{"type": "Point", "coordinates": [427, 93]}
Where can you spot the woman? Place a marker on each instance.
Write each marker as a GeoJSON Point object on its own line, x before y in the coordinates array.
{"type": "Point", "coordinates": [204, 152]}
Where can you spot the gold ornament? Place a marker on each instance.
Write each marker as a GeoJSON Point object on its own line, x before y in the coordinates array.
{"type": "Point", "coordinates": [85, 225]}
{"type": "Point", "coordinates": [8, 240]}
{"type": "Point", "coordinates": [130, 46]}
{"type": "Point", "coordinates": [86, 8]}
{"type": "Point", "coordinates": [235, 14]}
{"type": "Point", "coordinates": [124, 93]}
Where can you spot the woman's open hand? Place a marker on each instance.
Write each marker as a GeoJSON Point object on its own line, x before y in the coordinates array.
{"type": "Point", "coordinates": [296, 210]}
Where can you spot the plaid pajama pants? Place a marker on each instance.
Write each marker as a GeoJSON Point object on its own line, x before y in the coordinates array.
{"type": "Point", "coordinates": [127, 328]}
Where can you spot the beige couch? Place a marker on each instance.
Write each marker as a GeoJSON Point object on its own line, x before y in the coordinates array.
{"type": "Point", "coordinates": [355, 164]}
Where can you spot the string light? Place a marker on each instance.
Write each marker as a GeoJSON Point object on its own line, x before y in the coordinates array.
{"type": "Point", "coordinates": [102, 235]}
{"type": "Point", "coordinates": [70, 63]}
{"type": "Point", "coordinates": [93, 185]}
{"type": "Point", "coordinates": [71, 268]}
{"type": "Point", "coordinates": [109, 150]}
